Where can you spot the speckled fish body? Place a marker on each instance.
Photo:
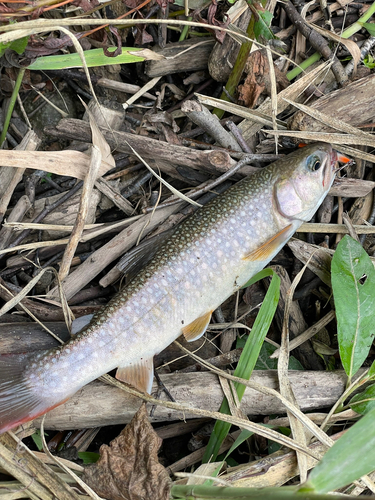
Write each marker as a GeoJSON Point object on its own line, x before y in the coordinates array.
{"type": "Point", "coordinates": [210, 256]}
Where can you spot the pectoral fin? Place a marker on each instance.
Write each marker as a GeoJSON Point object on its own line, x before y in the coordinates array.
{"type": "Point", "coordinates": [196, 329]}
{"type": "Point", "coordinates": [271, 246]}
{"type": "Point", "coordinates": [140, 374]}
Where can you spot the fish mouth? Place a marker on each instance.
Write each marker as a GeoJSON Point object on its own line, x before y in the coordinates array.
{"type": "Point", "coordinates": [330, 169]}
{"type": "Point", "coordinates": [334, 157]}
{"type": "Point", "coordinates": [337, 156]}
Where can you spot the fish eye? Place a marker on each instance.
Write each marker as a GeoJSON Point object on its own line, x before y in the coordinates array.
{"type": "Point", "coordinates": [313, 163]}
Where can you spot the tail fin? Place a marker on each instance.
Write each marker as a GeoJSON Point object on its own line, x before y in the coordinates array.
{"type": "Point", "coordinates": [19, 401]}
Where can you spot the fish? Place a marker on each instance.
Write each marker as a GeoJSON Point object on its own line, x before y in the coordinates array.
{"type": "Point", "coordinates": [211, 255]}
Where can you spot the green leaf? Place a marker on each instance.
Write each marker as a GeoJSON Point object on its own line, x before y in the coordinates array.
{"type": "Point", "coordinates": [365, 401]}
{"type": "Point", "coordinates": [247, 360]}
{"type": "Point", "coordinates": [370, 27]}
{"type": "Point", "coordinates": [18, 46]}
{"type": "Point", "coordinates": [264, 362]}
{"type": "Point", "coordinates": [371, 372]}
{"type": "Point", "coordinates": [369, 61]}
{"type": "Point", "coordinates": [4, 46]}
{"type": "Point", "coordinates": [88, 457]}
{"type": "Point", "coordinates": [262, 30]}
{"type": "Point", "coordinates": [353, 284]}
{"type": "Point", "coordinates": [272, 445]}
{"type": "Point", "coordinates": [37, 438]}
{"type": "Point", "coordinates": [94, 57]}
{"type": "Point", "coordinates": [350, 458]}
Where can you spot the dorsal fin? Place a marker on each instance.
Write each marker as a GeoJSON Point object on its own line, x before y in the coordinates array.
{"type": "Point", "coordinates": [265, 251]}
{"type": "Point", "coordinates": [196, 329]}
{"type": "Point", "coordinates": [132, 262]}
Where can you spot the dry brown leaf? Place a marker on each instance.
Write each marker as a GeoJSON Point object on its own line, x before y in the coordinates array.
{"type": "Point", "coordinates": [258, 79]}
{"type": "Point", "coordinates": [69, 163]}
{"type": "Point", "coordinates": [129, 469]}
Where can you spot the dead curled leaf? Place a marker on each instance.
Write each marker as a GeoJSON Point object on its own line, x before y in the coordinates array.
{"type": "Point", "coordinates": [129, 469]}
{"type": "Point", "coordinates": [258, 79]}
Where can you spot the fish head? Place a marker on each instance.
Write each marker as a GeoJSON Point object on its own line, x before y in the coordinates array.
{"type": "Point", "coordinates": [304, 180]}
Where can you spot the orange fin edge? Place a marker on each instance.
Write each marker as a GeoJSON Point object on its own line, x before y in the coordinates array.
{"type": "Point", "coordinates": [195, 329]}
{"type": "Point", "coordinates": [269, 247]}
{"type": "Point", "coordinates": [140, 375]}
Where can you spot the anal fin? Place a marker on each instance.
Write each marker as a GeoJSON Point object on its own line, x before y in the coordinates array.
{"type": "Point", "coordinates": [195, 330]}
{"type": "Point", "coordinates": [140, 375]}
{"type": "Point", "coordinates": [265, 251]}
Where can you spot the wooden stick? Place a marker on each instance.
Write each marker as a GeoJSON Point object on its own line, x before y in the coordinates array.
{"type": "Point", "coordinates": [98, 404]}
{"type": "Point", "coordinates": [334, 228]}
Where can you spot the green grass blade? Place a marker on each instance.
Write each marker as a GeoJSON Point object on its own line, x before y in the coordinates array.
{"type": "Point", "coordinates": [353, 284]}
{"type": "Point", "coordinates": [94, 57]}
{"type": "Point", "coordinates": [202, 492]}
{"type": "Point", "coordinates": [248, 358]}
{"type": "Point", "coordinates": [370, 28]}
{"type": "Point", "coordinates": [11, 105]}
{"type": "Point", "coordinates": [350, 458]}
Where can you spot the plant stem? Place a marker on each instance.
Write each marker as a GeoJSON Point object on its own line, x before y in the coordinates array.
{"type": "Point", "coordinates": [185, 31]}
{"type": "Point", "coordinates": [354, 28]}
{"type": "Point", "coordinates": [303, 65]}
{"type": "Point", "coordinates": [11, 105]}
{"type": "Point", "coordinates": [238, 67]}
